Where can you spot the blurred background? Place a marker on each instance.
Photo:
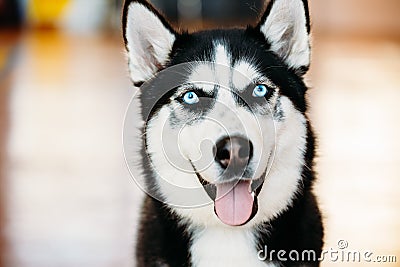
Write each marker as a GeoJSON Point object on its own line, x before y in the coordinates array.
{"type": "Point", "coordinates": [66, 197]}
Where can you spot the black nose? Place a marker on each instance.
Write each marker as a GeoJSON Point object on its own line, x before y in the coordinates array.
{"type": "Point", "coordinates": [234, 152]}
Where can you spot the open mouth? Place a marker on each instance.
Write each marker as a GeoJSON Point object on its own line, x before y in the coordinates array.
{"type": "Point", "coordinates": [235, 202]}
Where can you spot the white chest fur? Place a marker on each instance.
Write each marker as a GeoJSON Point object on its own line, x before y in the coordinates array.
{"type": "Point", "coordinates": [224, 247]}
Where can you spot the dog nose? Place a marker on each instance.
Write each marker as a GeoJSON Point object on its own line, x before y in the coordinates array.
{"type": "Point", "coordinates": [234, 152]}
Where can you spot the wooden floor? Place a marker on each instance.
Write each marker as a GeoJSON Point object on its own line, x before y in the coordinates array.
{"type": "Point", "coordinates": [67, 198]}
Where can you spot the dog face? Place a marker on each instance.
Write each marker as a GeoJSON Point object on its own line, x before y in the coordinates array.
{"type": "Point", "coordinates": [225, 130]}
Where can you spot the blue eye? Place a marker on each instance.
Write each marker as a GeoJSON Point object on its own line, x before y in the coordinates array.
{"type": "Point", "coordinates": [190, 98]}
{"type": "Point", "coordinates": [260, 90]}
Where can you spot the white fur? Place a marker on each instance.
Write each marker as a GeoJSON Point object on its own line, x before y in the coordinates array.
{"type": "Point", "coordinates": [283, 142]}
{"type": "Point", "coordinates": [284, 178]}
{"type": "Point", "coordinates": [225, 247]}
{"type": "Point", "coordinates": [279, 144]}
{"type": "Point", "coordinates": [221, 65]}
{"type": "Point", "coordinates": [294, 48]}
{"type": "Point", "coordinates": [221, 55]}
{"type": "Point", "coordinates": [203, 74]}
{"type": "Point", "coordinates": [243, 74]}
{"type": "Point", "coordinates": [282, 181]}
{"type": "Point", "coordinates": [176, 177]}
{"type": "Point", "coordinates": [149, 42]}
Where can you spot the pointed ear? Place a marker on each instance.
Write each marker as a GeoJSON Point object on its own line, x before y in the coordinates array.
{"type": "Point", "coordinates": [286, 25]}
{"type": "Point", "coordinates": [148, 39]}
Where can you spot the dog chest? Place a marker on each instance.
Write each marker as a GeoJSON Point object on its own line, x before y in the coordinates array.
{"type": "Point", "coordinates": [225, 247]}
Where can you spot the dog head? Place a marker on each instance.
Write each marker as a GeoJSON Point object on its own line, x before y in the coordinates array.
{"type": "Point", "coordinates": [225, 131]}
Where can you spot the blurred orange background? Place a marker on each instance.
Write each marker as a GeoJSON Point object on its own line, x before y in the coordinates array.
{"type": "Point", "coordinates": [66, 197]}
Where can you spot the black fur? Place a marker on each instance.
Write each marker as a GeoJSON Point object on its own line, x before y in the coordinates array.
{"type": "Point", "coordinates": [164, 238]}
{"type": "Point", "coordinates": [242, 44]}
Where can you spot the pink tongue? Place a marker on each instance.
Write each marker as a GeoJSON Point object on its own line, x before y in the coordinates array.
{"type": "Point", "coordinates": [234, 203]}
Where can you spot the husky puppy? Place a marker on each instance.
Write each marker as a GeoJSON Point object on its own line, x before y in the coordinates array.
{"type": "Point", "coordinates": [227, 149]}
